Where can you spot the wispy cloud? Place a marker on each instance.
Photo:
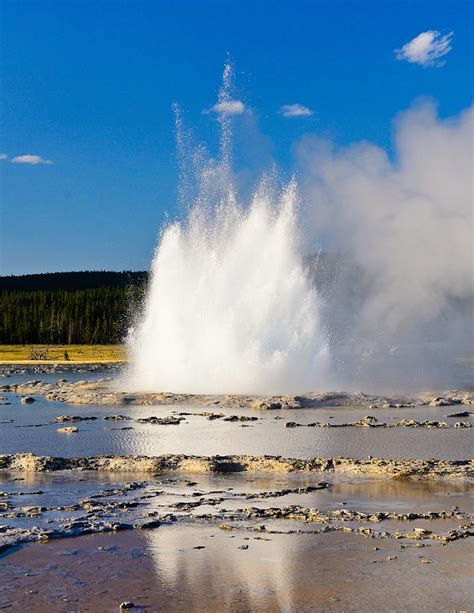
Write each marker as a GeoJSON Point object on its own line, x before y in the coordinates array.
{"type": "Point", "coordinates": [426, 49]}
{"type": "Point", "coordinates": [29, 159]}
{"type": "Point", "coordinates": [295, 110]}
{"type": "Point", "coordinates": [3, 156]}
{"type": "Point", "coordinates": [229, 107]}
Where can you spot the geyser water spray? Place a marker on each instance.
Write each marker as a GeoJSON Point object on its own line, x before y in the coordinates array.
{"type": "Point", "coordinates": [230, 308]}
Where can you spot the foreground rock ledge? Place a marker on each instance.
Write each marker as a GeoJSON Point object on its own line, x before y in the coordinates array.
{"type": "Point", "coordinates": [372, 467]}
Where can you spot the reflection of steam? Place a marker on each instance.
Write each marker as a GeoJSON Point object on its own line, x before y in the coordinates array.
{"type": "Point", "coordinates": [234, 577]}
{"type": "Point", "coordinates": [405, 231]}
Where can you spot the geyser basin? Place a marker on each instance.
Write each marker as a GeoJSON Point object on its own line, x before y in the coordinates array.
{"type": "Point", "coordinates": [234, 308]}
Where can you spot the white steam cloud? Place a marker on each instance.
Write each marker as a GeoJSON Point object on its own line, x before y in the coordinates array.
{"type": "Point", "coordinates": [403, 227]}
{"type": "Point", "coordinates": [426, 49]}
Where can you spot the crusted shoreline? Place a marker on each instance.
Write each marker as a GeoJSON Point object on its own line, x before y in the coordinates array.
{"type": "Point", "coordinates": [371, 467]}
{"type": "Point", "coordinates": [13, 537]}
{"type": "Point", "coordinates": [125, 508]}
{"type": "Point", "coordinates": [104, 392]}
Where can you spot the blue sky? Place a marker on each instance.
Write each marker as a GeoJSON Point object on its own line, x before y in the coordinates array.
{"type": "Point", "coordinates": [89, 87]}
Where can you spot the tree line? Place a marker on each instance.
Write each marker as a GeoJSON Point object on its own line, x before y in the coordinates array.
{"type": "Point", "coordinates": [94, 315]}
{"type": "Point", "coordinates": [86, 279]}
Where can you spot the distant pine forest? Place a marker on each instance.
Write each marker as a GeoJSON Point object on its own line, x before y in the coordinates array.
{"type": "Point", "coordinates": [91, 307]}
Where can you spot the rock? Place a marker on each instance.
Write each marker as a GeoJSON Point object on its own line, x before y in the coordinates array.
{"type": "Point", "coordinates": [265, 405]}
{"type": "Point", "coordinates": [442, 402]}
{"type": "Point", "coordinates": [240, 418]}
{"type": "Point", "coordinates": [292, 402]}
{"type": "Point", "coordinates": [68, 429]}
{"type": "Point", "coordinates": [169, 420]}
{"type": "Point", "coordinates": [421, 531]}
{"type": "Point", "coordinates": [150, 525]}
{"type": "Point", "coordinates": [27, 400]}
{"type": "Point", "coordinates": [210, 416]}
{"type": "Point", "coordinates": [407, 423]}
{"type": "Point", "coordinates": [434, 424]}
{"type": "Point", "coordinates": [127, 605]}
{"type": "Point", "coordinates": [244, 547]}
{"type": "Point", "coordinates": [68, 418]}
{"type": "Point", "coordinates": [461, 414]}
{"type": "Point", "coordinates": [366, 422]}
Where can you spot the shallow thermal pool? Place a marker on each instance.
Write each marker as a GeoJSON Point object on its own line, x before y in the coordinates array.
{"type": "Point", "coordinates": [188, 558]}
{"type": "Point", "coordinates": [31, 428]}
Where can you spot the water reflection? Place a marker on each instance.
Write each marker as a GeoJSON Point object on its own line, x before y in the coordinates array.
{"type": "Point", "coordinates": [161, 570]}
{"type": "Point", "coordinates": [297, 573]}
{"type": "Point", "coordinates": [32, 429]}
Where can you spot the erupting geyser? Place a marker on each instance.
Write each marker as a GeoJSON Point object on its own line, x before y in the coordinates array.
{"type": "Point", "coordinates": [230, 308]}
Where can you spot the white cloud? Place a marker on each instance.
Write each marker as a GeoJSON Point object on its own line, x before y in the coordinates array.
{"type": "Point", "coordinates": [426, 49]}
{"type": "Point", "coordinates": [3, 156]}
{"type": "Point", "coordinates": [229, 107]}
{"type": "Point", "coordinates": [30, 159]}
{"type": "Point", "coordinates": [295, 110]}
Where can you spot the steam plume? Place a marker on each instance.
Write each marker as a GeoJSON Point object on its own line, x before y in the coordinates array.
{"type": "Point", "coordinates": [403, 232]}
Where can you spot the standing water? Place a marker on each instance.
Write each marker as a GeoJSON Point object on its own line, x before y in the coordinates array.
{"type": "Point", "coordinates": [230, 308]}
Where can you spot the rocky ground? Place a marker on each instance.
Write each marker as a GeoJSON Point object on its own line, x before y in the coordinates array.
{"type": "Point", "coordinates": [374, 467]}
{"type": "Point", "coordinates": [104, 392]}
{"type": "Point", "coordinates": [45, 368]}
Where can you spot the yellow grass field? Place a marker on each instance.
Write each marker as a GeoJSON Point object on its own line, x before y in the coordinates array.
{"type": "Point", "coordinates": [54, 354]}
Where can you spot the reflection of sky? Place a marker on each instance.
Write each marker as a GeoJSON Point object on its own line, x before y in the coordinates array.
{"type": "Point", "coordinates": [200, 436]}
